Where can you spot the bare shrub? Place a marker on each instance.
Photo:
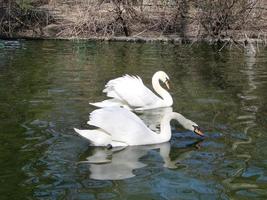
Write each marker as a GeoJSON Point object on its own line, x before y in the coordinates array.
{"type": "Point", "coordinates": [124, 17]}
{"type": "Point", "coordinates": [16, 17]}
{"type": "Point", "coordinates": [226, 18]}
{"type": "Point", "coordinates": [212, 19]}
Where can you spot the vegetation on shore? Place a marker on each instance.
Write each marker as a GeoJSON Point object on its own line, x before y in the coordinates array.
{"type": "Point", "coordinates": [214, 20]}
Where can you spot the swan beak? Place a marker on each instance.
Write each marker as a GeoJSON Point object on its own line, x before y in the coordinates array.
{"type": "Point", "coordinates": [167, 83]}
{"type": "Point", "coordinates": [199, 132]}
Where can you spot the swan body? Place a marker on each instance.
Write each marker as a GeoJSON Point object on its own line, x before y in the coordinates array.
{"type": "Point", "coordinates": [131, 93]}
{"type": "Point", "coordinates": [120, 127]}
{"type": "Point", "coordinates": [152, 118]}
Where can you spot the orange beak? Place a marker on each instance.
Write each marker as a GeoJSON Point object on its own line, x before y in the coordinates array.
{"type": "Point", "coordinates": [167, 83]}
{"type": "Point", "coordinates": [199, 132]}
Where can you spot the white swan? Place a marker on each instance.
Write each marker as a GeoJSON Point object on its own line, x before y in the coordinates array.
{"type": "Point", "coordinates": [120, 127]}
{"type": "Point", "coordinates": [131, 93]}
{"type": "Point", "coordinates": [152, 118]}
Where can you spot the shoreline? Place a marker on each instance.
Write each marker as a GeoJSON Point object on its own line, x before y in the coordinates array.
{"type": "Point", "coordinates": [138, 39]}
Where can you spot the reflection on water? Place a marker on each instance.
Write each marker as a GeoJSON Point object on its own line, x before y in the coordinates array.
{"type": "Point", "coordinates": [45, 87]}
{"type": "Point", "coordinates": [120, 162]}
{"type": "Point", "coordinates": [120, 166]}
{"type": "Point", "coordinates": [247, 119]}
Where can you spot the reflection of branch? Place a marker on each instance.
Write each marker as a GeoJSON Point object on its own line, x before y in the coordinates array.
{"type": "Point", "coordinates": [236, 144]}
{"type": "Point", "coordinates": [237, 186]}
{"type": "Point", "coordinates": [214, 118]}
{"type": "Point", "coordinates": [248, 123]}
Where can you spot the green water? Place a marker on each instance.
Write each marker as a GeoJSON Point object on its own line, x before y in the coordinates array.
{"type": "Point", "coordinates": [45, 87]}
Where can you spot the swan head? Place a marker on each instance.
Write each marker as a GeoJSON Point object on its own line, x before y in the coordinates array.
{"type": "Point", "coordinates": [162, 76]}
{"type": "Point", "coordinates": [192, 126]}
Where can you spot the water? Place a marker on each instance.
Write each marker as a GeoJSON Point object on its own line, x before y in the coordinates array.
{"type": "Point", "coordinates": [45, 87]}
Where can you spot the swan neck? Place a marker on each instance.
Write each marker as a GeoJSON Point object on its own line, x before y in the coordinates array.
{"type": "Point", "coordinates": [165, 127]}
{"type": "Point", "coordinates": [161, 91]}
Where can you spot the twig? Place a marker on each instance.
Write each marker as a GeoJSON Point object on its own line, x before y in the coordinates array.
{"type": "Point", "coordinates": [145, 30]}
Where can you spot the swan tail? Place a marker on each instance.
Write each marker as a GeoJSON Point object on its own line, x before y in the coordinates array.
{"type": "Point", "coordinates": [106, 103]}
{"type": "Point", "coordinates": [97, 137]}
{"type": "Point", "coordinates": [99, 104]}
{"type": "Point", "coordinates": [110, 91]}
{"type": "Point", "coordinates": [110, 103]}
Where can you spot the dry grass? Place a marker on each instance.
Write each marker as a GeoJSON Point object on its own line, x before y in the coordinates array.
{"type": "Point", "coordinates": [209, 19]}
{"type": "Point", "coordinates": [15, 19]}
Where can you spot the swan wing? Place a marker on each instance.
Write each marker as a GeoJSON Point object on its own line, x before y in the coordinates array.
{"type": "Point", "coordinates": [132, 90]}
{"type": "Point", "coordinates": [122, 125]}
{"type": "Point", "coordinates": [97, 137]}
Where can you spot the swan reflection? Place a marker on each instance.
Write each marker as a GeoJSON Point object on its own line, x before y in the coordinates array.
{"type": "Point", "coordinates": [120, 162]}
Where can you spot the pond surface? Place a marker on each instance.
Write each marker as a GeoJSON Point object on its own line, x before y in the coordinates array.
{"type": "Point", "coordinates": [45, 88]}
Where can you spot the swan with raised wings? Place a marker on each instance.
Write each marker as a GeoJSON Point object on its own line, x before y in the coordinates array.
{"type": "Point", "coordinates": [131, 93]}
{"type": "Point", "coordinates": [120, 127]}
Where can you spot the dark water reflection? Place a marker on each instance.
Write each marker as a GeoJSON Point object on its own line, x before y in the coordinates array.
{"type": "Point", "coordinates": [45, 87]}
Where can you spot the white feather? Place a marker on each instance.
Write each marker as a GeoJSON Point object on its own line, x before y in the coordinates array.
{"type": "Point", "coordinates": [131, 92]}
{"type": "Point", "coordinates": [111, 103]}
{"type": "Point", "coordinates": [120, 127]}
{"type": "Point", "coordinates": [97, 137]}
{"type": "Point", "coordinates": [121, 124]}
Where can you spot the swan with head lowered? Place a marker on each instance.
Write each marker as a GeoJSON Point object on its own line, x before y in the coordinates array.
{"type": "Point", "coordinates": [120, 127]}
{"type": "Point", "coordinates": [130, 92]}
